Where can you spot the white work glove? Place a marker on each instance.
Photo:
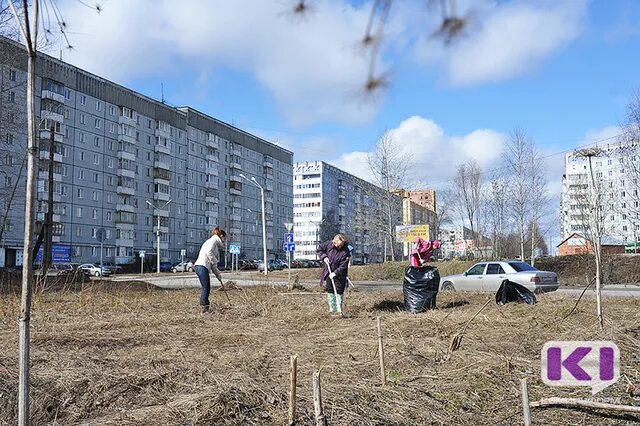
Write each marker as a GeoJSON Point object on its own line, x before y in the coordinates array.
{"type": "Point", "coordinates": [326, 260]}
{"type": "Point", "coordinates": [332, 275]}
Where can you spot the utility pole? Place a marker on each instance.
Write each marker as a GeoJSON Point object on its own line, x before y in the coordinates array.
{"type": "Point", "coordinates": [264, 223]}
{"type": "Point", "coordinates": [30, 35]}
{"type": "Point", "coordinates": [158, 233]}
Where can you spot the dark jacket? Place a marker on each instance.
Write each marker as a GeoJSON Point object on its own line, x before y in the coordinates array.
{"type": "Point", "coordinates": [338, 259]}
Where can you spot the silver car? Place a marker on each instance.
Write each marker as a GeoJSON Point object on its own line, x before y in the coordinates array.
{"type": "Point", "coordinates": [487, 276]}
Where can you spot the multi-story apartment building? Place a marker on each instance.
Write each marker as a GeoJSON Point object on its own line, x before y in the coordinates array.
{"type": "Point", "coordinates": [424, 197]}
{"type": "Point", "coordinates": [328, 200]}
{"type": "Point", "coordinates": [120, 157]}
{"type": "Point", "coordinates": [417, 214]}
{"type": "Point", "coordinates": [616, 172]}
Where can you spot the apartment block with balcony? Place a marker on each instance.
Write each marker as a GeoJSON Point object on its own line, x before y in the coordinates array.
{"type": "Point", "coordinates": [328, 200]}
{"type": "Point", "coordinates": [615, 172]}
{"type": "Point", "coordinates": [118, 159]}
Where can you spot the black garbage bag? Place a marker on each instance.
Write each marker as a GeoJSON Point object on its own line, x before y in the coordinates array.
{"type": "Point", "coordinates": [420, 288]}
{"type": "Point", "coordinates": [514, 292]}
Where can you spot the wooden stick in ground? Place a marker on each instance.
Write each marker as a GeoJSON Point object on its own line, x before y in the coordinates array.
{"type": "Point", "coordinates": [293, 378]}
{"type": "Point", "coordinates": [317, 400]}
{"type": "Point", "coordinates": [526, 410]}
{"type": "Point", "coordinates": [383, 374]}
{"type": "Point", "coordinates": [580, 403]}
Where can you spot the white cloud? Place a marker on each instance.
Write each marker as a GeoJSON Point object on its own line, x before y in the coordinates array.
{"type": "Point", "coordinates": [308, 64]}
{"type": "Point", "coordinates": [509, 39]}
{"type": "Point", "coordinates": [435, 155]}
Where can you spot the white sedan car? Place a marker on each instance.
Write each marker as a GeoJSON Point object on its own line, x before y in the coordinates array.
{"type": "Point", "coordinates": [487, 276]}
{"type": "Point", "coordinates": [95, 270]}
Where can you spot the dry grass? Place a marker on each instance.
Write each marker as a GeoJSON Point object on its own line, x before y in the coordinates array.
{"type": "Point", "coordinates": [103, 356]}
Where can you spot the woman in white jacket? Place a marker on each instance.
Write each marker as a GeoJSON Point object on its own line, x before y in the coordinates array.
{"type": "Point", "coordinates": [207, 263]}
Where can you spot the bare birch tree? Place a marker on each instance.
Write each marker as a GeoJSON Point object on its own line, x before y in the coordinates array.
{"type": "Point", "coordinates": [496, 213]}
{"type": "Point", "coordinates": [538, 195]}
{"type": "Point", "coordinates": [389, 166]}
{"type": "Point", "coordinates": [517, 157]}
{"type": "Point", "coordinates": [467, 188]}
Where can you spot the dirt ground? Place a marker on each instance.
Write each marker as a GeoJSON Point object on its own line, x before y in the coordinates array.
{"type": "Point", "coordinates": [138, 356]}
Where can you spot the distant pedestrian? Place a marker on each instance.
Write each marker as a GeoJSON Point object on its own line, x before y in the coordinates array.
{"type": "Point", "coordinates": [207, 263]}
{"type": "Point", "coordinates": [335, 255]}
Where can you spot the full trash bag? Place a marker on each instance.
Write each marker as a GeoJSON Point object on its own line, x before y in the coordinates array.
{"type": "Point", "coordinates": [420, 288]}
{"type": "Point", "coordinates": [514, 292]}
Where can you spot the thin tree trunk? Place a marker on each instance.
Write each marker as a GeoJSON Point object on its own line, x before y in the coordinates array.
{"type": "Point", "coordinates": [27, 271]}
{"type": "Point", "coordinates": [533, 242]}
{"type": "Point", "coordinates": [595, 234]}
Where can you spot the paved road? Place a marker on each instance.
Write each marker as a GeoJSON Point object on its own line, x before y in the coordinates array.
{"type": "Point", "coordinates": [189, 280]}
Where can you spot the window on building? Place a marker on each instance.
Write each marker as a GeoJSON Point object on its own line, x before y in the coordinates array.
{"type": "Point", "coordinates": [79, 193]}
{"type": "Point", "coordinates": [98, 106]}
{"type": "Point", "coordinates": [12, 75]}
{"type": "Point", "coordinates": [11, 96]}
{"type": "Point", "coordinates": [78, 211]}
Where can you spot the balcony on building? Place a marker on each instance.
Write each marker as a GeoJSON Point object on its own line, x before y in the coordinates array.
{"type": "Point", "coordinates": [44, 196]}
{"type": "Point", "coordinates": [341, 186]}
{"type": "Point", "coordinates": [44, 155]}
{"type": "Point", "coordinates": [211, 195]}
{"type": "Point", "coordinates": [163, 145]}
{"type": "Point", "coordinates": [127, 116]}
{"type": "Point", "coordinates": [125, 172]}
{"type": "Point", "coordinates": [121, 207]}
{"type": "Point", "coordinates": [45, 131]}
{"type": "Point", "coordinates": [124, 242]}
{"type": "Point", "coordinates": [268, 186]}
{"type": "Point", "coordinates": [52, 115]}
{"type": "Point", "coordinates": [125, 217]}
{"type": "Point", "coordinates": [126, 151]}
{"type": "Point", "coordinates": [123, 137]}
{"type": "Point", "coordinates": [41, 216]}
{"type": "Point", "coordinates": [235, 185]}
{"type": "Point", "coordinates": [164, 212]}
{"type": "Point", "coordinates": [163, 245]}
{"type": "Point", "coordinates": [212, 141]}
{"type": "Point", "coordinates": [161, 176]}
{"type": "Point", "coordinates": [236, 217]}
{"type": "Point", "coordinates": [44, 175]}
{"type": "Point", "coordinates": [235, 164]}
{"type": "Point", "coordinates": [161, 196]}
{"type": "Point", "coordinates": [235, 150]}
{"type": "Point", "coordinates": [236, 203]}
{"type": "Point", "coordinates": [163, 129]}
{"type": "Point", "coordinates": [162, 163]}
{"type": "Point", "coordinates": [52, 91]}
{"type": "Point", "coordinates": [212, 157]}
{"type": "Point", "coordinates": [211, 214]}
{"type": "Point", "coordinates": [267, 163]}
{"type": "Point", "coordinates": [212, 170]}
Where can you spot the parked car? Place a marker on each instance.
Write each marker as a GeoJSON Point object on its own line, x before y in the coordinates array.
{"type": "Point", "coordinates": [181, 267]}
{"type": "Point", "coordinates": [272, 265]}
{"type": "Point", "coordinates": [94, 270]}
{"type": "Point", "coordinates": [115, 269]}
{"type": "Point", "coordinates": [283, 263]}
{"type": "Point", "coordinates": [164, 267]}
{"type": "Point", "coordinates": [247, 265]}
{"type": "Point", "coordinates": [487, 276]}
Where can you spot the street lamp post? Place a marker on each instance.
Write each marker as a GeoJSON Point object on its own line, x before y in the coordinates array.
{"type": "Point", "coordinates": [264, 222]}
{"type": "Point", "coordinates": [158, 235]}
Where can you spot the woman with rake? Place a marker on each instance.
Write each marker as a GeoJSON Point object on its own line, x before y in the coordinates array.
{"type": "Point", "coordinates": [207, 263]}
{"type": "Point", "coordinates": [335, 255]}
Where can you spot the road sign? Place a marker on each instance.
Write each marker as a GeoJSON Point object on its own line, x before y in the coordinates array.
{"type": "Point", "coordinates": [234, 248]}
{"type": "Point", "coordinates": [101, 234]}
{"type": "Point", "coordinates": [408, 233]}
{"type": "Point", "coordinates": [289, 247]}
{"type": "Point", "coordinates": [142, 253]}
{"type": "Point", "coordinates": [183, 253]}
{"type": "Point", "coordinates": [289, 226]}
{"type": "Point", "coordinates": [288, 237]}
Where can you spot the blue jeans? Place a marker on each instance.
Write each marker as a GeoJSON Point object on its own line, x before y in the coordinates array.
{"type": "Point", "coordinates": [205, 283]}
